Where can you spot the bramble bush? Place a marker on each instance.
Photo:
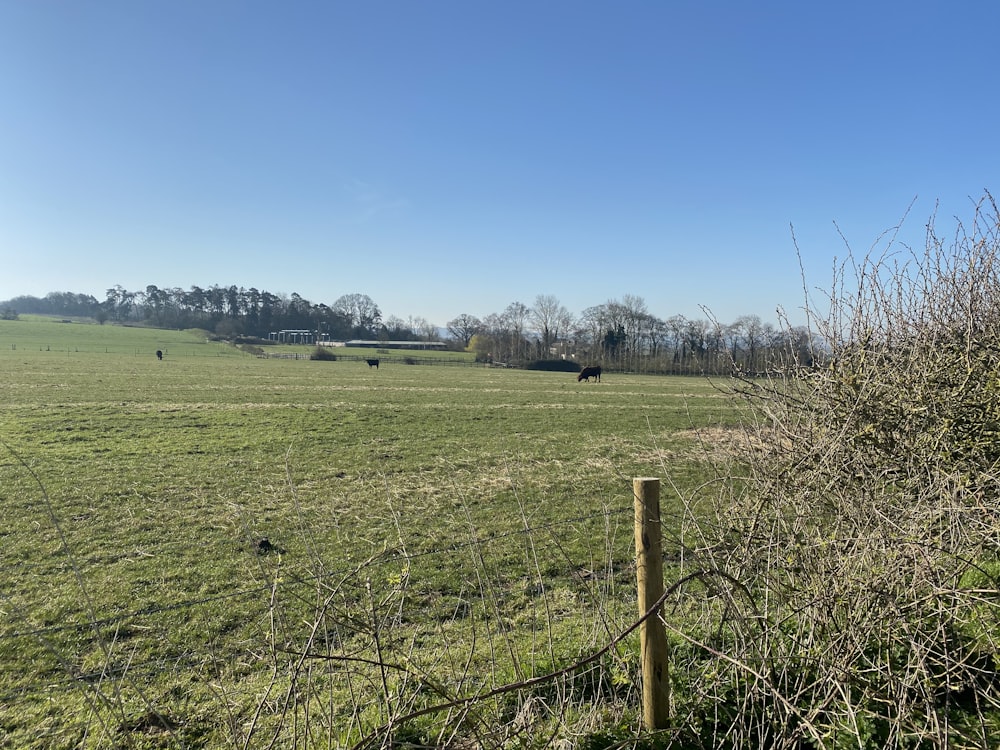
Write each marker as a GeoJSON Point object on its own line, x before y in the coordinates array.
{"type": "Point", "coordinates": [850, 575]}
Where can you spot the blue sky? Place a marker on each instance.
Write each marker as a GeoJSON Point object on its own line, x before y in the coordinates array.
{"type": "Point", "coordinates": [448, 157]}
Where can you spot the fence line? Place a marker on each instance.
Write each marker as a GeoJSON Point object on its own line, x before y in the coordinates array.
{"type": "Point", "coordinates": [382, 358]}
{"type": "Point", "coordinates": [384, 558]}
{"type": "Point", "coordinates": [65, 676]}
{"type": "Point", "coordinates": [151, 666]}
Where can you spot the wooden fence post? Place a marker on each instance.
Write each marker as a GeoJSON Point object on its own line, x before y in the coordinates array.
{"type": "Point", "coordinates": [649, 575]}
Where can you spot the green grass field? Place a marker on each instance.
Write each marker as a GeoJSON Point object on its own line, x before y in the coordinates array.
{"type": "Point", "coordinates": [472, 523]}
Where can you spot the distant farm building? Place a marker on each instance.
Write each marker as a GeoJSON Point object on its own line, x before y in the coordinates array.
{"type": "Point", "coordinates": [294, 336]}
{"type": "Point", "coordinates": [361, 343]}
{"type": "Point", "coordinates": [304, 336]}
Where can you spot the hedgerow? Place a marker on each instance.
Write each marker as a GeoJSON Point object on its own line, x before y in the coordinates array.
{"type": "Point", "coordinates": [851, 573]}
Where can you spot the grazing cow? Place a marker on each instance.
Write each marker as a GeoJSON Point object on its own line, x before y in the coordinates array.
{"type": "Point", "coordinates": [159, 354]}
{"type": "Point", "coordinates": [372, 363]}
{"type": "Point", "coordinates": [589, 372]}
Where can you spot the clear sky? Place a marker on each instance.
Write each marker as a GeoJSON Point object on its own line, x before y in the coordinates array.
{"type": "Point", "coordinates": [454, 156]}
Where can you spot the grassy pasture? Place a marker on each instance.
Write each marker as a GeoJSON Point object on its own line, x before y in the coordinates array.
{"type": "Point", "coordinates": [39, 333]}
{"type": "Point", "coordinates": [475, 523]}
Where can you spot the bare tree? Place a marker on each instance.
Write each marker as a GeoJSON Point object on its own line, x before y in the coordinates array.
{"type": "Point", "coordinates": [491, 337]}
{"type": "Point", "coordinates": [589, 330]}
{"type": "Point", "coordinates": [551, 318]}
{"type": "Point", "coordinates": [516, 316]}
{"type": "Point", "coordinates": [361, 310]}
{"type": "Point", "coordinates": [636, 322]}
{"type": "Point", "coordinates": [464, 327]}
{"type": "Point", "coordinates": [423, 329]}
{"type": "Point", "coordinates": [749, 335]}
{"type": "Point", "coordinates": [395, 328]}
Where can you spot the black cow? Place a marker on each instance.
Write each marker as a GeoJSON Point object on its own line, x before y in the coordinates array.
{"type": "Point", "coordinates": [159, 354]}
{"type": "Point", "coordinates": [589, 372]}
{"type": "Point", "coordinates": [372, 363]}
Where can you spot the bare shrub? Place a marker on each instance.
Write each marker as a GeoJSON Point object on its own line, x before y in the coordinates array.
{"type": "Point", "coordinates": [848, 594]}
{"type": "Point", "coordinates": [323, 353]}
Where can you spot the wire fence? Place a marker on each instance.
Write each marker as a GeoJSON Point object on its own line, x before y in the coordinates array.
{"type": "Point", "coordinates": [146, 618]}
{"type": "Point", "coordinates": [389, 556]}
{"type": "Point", "coordinates": [381, 358]}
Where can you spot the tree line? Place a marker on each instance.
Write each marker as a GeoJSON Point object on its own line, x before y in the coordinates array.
{"type": "Point", "coordinates": [623, 335]}
{"type": "Point", "coordinates": [231, 312]}
{"type": "Point", "coordinates": [620, 334]}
